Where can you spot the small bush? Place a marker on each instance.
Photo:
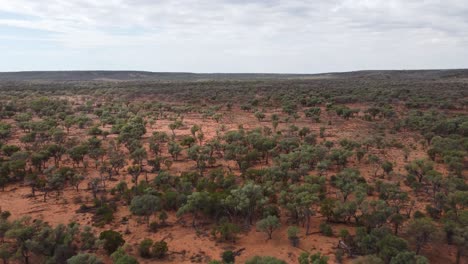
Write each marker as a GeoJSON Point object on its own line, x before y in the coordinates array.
{"type": "Point", "coordinates": [112, 240]}
{"type": "Point", "coordinates": [160, 249]}
{"type": "Point", "coordinates": [326, 229]}
{"type": "Point", "coordinates": [145, 248]}
{"type": "Point", "coordinates": [339, 254]}
{"type": "Point", "coordinates": [418, 214]}
{"type": "Point", "coordinates": [228, 256]}
{"type": "Point", "coordinates": [293, 235]}
{"type": "Point", "coordinates": [153, 226]}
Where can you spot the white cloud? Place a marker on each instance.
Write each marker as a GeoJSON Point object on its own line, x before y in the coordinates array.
{"type": "Point", "coordinates": [242, 35]}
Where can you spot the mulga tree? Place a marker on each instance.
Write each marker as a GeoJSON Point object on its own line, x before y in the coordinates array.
{"type": "Point", "coordinates": [246, 200]}
{"type": "Point", "coordinates": [134, 129]}
{"type": "Point", "coordinates": [145, 205]}
{"type": "Point", "coordinates": [197, 202]}
{"type": "Point", "coordinates": [139, 155]}
{"type": "Point", "coordinates": [135, 172]}
{"type": "Point", "coordinates": [298, 199]}
{"type": "Point", "coordinates": [423, 231]}
{"type": "Point", "coordinates": [116, 160]}
{"type": "Point", "coordinates": [347, 181]}
{"type": "Point", "coordinates": [201, 155]}
{"type": "Point", "coordinates": [21, 231]}
{"type": "Point", "coordinates": [77, 154]}
{"type": "Point", "coordinates": [174, 149]}
{"type": "Point", "coordinates": [268, 225]}
{"type": "Point", "coordinates": [419, 168]}
{"type": "Point", "coordinates": [460, 240]}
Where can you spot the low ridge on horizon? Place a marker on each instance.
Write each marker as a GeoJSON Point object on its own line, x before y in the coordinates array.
{"type": "Point", "coordinates": [134, 75]}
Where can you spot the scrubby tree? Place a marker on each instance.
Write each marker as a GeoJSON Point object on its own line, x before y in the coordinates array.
{"type": "Point", "coordinates": [226, 230]}
{"type": "Point", "coordinates": [460, 239]}
{"type": "Point", "coordinates": [145, 205]}
{"type": "Point", "coordinates": [264, 260]}
{"type": "Point", "coordinates": [160, 249]}
{"type": "Point", "coordinates": [387, 167]}
{"type": "Point", "coordinates": [88, 239]}
{"type": "Point", "coordinates": [174, 149]}
{"type": "Point", "coordinates": [347, 181]}
{"type": "Point", "coordinates": [268, 225]}
{"type": "Point", "coordinates": [175, 125]}
{"type": "Point", "coordinates": [112, 240]}
{"type": "Point", "coordinates": [317, 258]}
{"type": "Point", "coordinates": [84, 258]}
{"type": "Point", "coordinates": [405, 257]}
{"type": "Point", "coordinates": [228, 257]}
{"type": "Point", "coordinates": [260, 116]}
{"type": "Point", "coordinates": [135, 172]}
{"type": "Point", "coordinates": [121, 257]}
{"type": "Point", "coordinates": [77, 154]}
{"type": "Point", "coordinates": [293, 235]}
{"type": "Point", "coordinates": [116, 160]}
{"type": "Point", "coordinates": [196, 202]}
{"type": "Point", "coordinates": [246, 200]}
{"type": "Point", "coordinates": [422, 230]}
{"type": "Point", "coordinates": [419, 168]}
{"type": "Point", "coordinates": [298, 200]}
{"type": "Point", "coordinates": [145, 248]}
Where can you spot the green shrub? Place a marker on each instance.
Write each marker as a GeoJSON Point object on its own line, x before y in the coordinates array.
{"type": "Point", "coordinates": [326, 229]}
{"type": "Point", "coordinates": [293, 232]}
{"type": "Point", "coordinates": [228, 257]}
{"type": "Point", "coordinates": [84, 258]}
{"type": "Point", "coordinates": [145, 248]}
{"type": "Point", "coordinates": [264, 260]}
{"type": "Point", "coordinates": [160, 249]}
{"type": "Point", "coordinates": [153, 226]}
{"type": "Point", "coordinates": [112, 240]}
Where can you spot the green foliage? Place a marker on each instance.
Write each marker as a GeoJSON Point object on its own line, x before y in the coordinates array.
{"type": "Point", "coordinates": [174, 149]}
{"type": "Point", "coordinates": [387, 167]}
{"type": "Point", "coordinates": [460, 239]}
{"type": "Point", "coordinates": [299, 199]}
{"type": "Point", "coordinates": [293, 235]}
{"type": "Point", "coordinates": [10, 149]}
{"type": "Point", "coordinates": [268, 225]}
{"type": "Point", "coordinates": [227, 231]}
{"type": "Point", "coordinates": [133, 130]}
{"type": "Point", "coordinates": [419, 168]}
{"type": "Point", "coordinates": [88, 239]}
{"type": "Point", "coordinates": [104, 214]}
{"type": "Point", "coordinates": [145, 205]}
{"type": "Point", "coordinates": [390, 246]}
{"type": "Point", "coordinates": [144, 248]}
{"type": "Point", "coordinates": [406, 257]}
{"type": "Point", "coordinates": [259, 115]}
{"type": "Point", "coordinates": [369, 259]}
{"type": "Point", "coordinates": [422, 231]}
{"type": "Point", "coordinates": [317, 258]}
{"type": "Point", "coordinates": [228, 257]}
{"type": "Point", "coordinates": [326, 229]}
{"type": "Point", "coordinates": [159, 249]}
{"type": "Point", "coordinates": [84, 258]}
{"type": "Point", "coordinates": [348, 181]}
{"type": "Point", "coordinates": [120, 257]}
{"type": "Point", "coordinates": [246, 200]}
{"type": "Point", "coordinates": [264, 260]}
{"type": "Point", "coordinates": [112, 240]}
{"type": "Point", "coordinates": [199, 202]}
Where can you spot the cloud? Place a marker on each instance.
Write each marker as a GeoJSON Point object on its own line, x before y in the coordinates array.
{"type": "Point", "coordinates": [233, 35]}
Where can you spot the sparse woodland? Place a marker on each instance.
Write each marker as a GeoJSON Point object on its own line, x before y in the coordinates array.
{"type": "Point", "coordinates": [331, 170]}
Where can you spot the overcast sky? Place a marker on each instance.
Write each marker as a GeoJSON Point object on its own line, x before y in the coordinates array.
{"type": "Point", "coordinates": [283, 36]}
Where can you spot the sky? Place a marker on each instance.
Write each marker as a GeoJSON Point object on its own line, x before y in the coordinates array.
{"type": "Point", "coordinates": [269, 36]}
